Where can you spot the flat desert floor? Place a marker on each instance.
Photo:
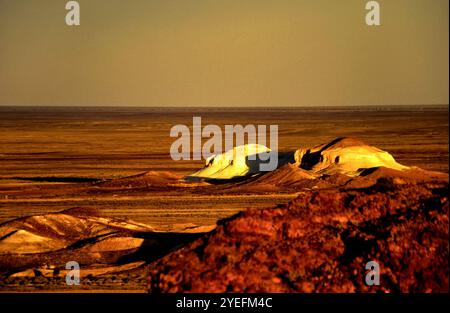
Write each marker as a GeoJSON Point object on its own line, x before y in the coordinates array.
{"type": "Point", "coordinates": [41, 146]}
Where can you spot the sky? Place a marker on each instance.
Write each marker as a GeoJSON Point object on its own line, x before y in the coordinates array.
{"type": "Point", "coordinates": [224, 53]}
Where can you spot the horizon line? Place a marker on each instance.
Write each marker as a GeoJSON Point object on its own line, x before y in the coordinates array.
{"type": "Point", "coordinates": [222, 107]}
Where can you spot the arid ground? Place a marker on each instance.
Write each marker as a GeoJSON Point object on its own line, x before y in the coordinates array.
{"type": "Point", "coordinates": [81, 180]}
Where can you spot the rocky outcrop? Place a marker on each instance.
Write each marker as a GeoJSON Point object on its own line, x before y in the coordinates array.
{"type": "Point", "coordinates": [321, 242]}
{"type": "Point", "coordinates": [56, 231]}
{"type": "Point", "coordinates": [237, 162]}
{"type": "Point", "coordinates": [344, 156]}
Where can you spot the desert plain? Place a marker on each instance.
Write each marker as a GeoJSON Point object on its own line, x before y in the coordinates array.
{"type": "Point", "coordinates": [98, 186]}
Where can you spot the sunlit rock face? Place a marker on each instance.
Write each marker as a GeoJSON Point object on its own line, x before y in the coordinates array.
{"type": "Point", "coordinates": [56, 231]}
{"type": "Point", "coordinates": [238, 162]}
{"type": "Point", "coordinates": [344, 156]}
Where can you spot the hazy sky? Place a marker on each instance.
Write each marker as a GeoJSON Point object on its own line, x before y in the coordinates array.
{"type": "Point", "coordinates": [223, 53]}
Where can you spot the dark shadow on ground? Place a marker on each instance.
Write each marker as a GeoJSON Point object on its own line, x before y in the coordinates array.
{"type": "Point", "coordinates": [157, 245]}
{"type": "Point", "coordinates": [58, 179]}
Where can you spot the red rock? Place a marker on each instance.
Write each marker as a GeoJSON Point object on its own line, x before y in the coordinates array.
{"type": "Point", "coordinates": [321, 242]}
